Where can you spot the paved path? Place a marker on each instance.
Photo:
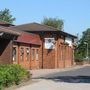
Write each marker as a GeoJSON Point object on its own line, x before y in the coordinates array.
{"type": "Point", "coordinates": [51, 85]}
{"type": "Point", "coordinates": [77, 79]}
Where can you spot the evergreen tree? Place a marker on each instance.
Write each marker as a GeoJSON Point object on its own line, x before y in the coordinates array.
{"type": "Point", "coordinates": [6, 16]}
{"type": "Point", "coordinates": [81, 50]}
{"type": "Point", "coordinates": [54, 22]}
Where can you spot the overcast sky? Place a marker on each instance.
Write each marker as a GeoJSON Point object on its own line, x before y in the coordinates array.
{"type": "Point", "coordinates": [75, 13]}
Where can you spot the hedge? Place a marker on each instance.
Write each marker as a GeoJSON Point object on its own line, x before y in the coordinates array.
{"type": "Point", "coordinates": [12, 74]}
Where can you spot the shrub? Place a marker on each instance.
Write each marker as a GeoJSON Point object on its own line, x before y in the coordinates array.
{"type": "Point", "coordinates": [12, 74]}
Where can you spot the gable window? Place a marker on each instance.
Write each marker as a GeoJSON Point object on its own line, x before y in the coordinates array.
{"type": "Point", "coordinates": [14, 54]}
{"type": "Point", "coordinates": [22, 54]}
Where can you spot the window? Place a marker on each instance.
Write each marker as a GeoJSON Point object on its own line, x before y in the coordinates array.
{"type": "Point", "coordinates": [27, 54]}
{"type": "Point", "coordinates": [22, 54]}
{"type": "Point", "coordinates": [14, 54]}
{"type": "Point", "coordinates": [33, 54]}
{"type": "Point", "coordinates": [36, 54]}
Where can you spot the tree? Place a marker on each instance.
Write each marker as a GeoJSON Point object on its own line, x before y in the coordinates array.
{"type": "Point", "coordinates": [6, 16]}
{"type": "Point", "coordinates": [54, 22]}
{"type": "Point", "coordinates": [81, 50]}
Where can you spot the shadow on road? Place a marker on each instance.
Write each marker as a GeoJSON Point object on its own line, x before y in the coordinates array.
{"type": "Point", "coordinates": [70, 79]}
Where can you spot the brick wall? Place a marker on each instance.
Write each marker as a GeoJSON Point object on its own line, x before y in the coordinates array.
{"type": "Point", "coordinates": [5, 51]}
{"type": "Point", "coordinates": [60, 57]}
{"type": "Point", "coordinates": [30, 63]}
{"type": "Point", "coordinates": [33, 62]}
{"type": "Point", "coordinates": [48, 58]}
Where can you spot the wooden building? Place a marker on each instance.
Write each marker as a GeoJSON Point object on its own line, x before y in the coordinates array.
{"type": "Point", "coordinates": [36, 46]}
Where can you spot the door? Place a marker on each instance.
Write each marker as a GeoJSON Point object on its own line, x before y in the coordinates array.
{"type": "Point", "coordinates": [34, 58]}
{"type": "Point", "coordinates": [15, 54]}
{"type": "Point", "coordinates": [21, 56]}
{"type": "Point", "coordinates": [24, 57]}
{"type": "Point", "coordinates": [27, 57]}
{"type": "Point", "coordinates": [61, 56]}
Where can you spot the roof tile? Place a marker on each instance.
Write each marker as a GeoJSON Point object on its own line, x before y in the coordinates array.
{"type": "Point", "coordinates": [29, 38]}
{"type": "Point", "coordinates": [8, 30]}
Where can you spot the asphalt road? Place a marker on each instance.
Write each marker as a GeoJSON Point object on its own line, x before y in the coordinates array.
{"type": "Point", "coordinates": [81, 75]}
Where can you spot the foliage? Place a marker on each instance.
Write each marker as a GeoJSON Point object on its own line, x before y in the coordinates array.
{"type": "Point", "coordinates": [81, 50]}
{"type": "Point", "coordinates": [54, 22]}
{"type": "Point", "coordinates": [6, 16]}
{"type": "Point", "coordinates": [12, 74]}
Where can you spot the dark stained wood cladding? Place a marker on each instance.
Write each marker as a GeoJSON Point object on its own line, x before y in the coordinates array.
{"type": "Point", "coordinates": [5, 51]}
{"type": "Point", "coordinates": [8, 36]}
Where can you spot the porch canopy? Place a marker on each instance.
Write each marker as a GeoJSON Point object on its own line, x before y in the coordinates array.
{"type": "Point", "coordinates": [8, 33]}
{"type": "Point", "coordinates": [28, 38]}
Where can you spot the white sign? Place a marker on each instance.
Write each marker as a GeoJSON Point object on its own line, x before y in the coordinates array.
{"type": "Point", "coordinates": [1, 33]}
{"type": "Point", "coordinates": [49, 43]}
{"type": "Point", "coordinates": [68, 40]}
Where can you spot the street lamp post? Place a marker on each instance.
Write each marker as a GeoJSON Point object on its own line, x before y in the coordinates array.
{"type": "Point", "coordinates": [87, 51]}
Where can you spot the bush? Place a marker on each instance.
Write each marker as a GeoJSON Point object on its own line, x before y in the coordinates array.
{"type": "Point", "coordinates": [78, 60]}
{"type": "Point", "coordinates": [12, 74]}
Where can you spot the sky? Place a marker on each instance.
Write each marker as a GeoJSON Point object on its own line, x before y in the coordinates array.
{"type": "Point", "coordinates": [74, 13]}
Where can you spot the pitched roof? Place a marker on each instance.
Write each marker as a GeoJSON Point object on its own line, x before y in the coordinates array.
{"type": "Point", "coordinates": [34, 27]}
{"type": "Point", "coordinates": [4, 23]}
{"type": "Point", "coordinates": [8, 30]}
{"type": "Point", "coordinates": [28, 38]}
